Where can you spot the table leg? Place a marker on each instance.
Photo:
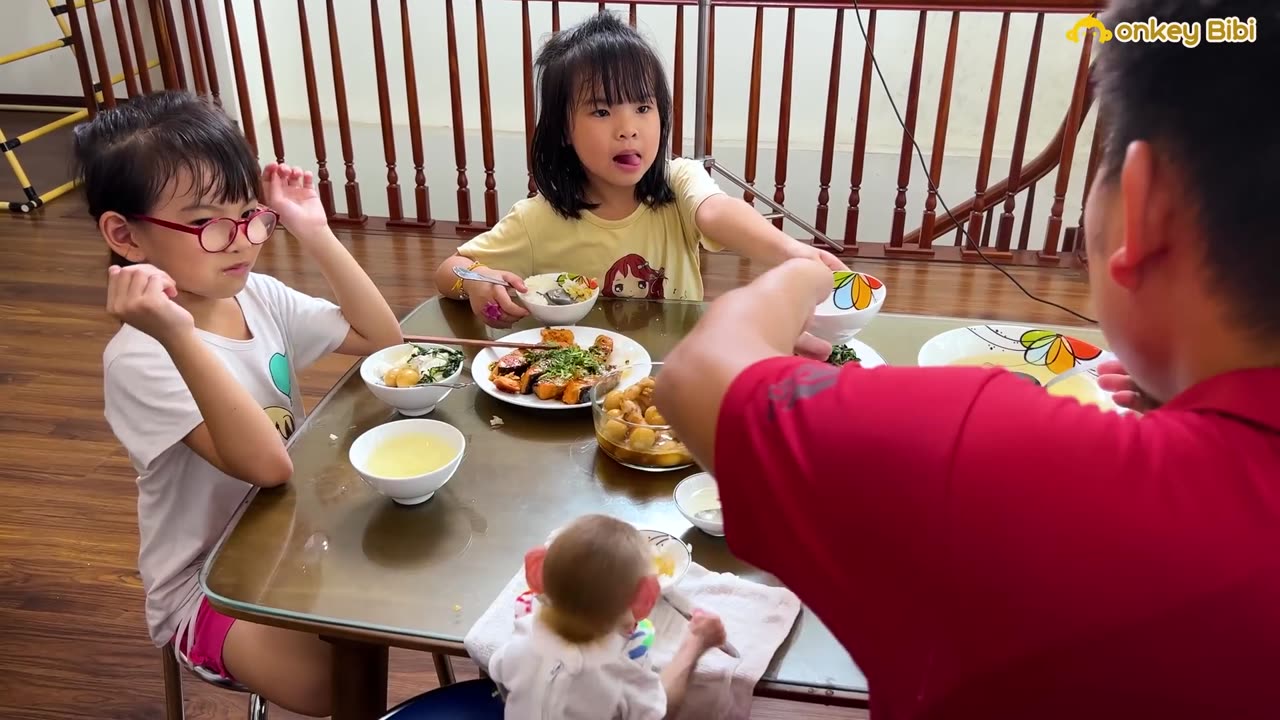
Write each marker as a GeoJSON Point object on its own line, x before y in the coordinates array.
{"type": "Point", "coordinates": [444, 669]}
{"type": "Point", "coordinates": [359, 680]}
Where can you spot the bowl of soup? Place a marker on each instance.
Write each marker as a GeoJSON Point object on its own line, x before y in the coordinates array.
{"type": "Point", "coordinates": [408, 460]}
{"type": "Point", "coordinates": [629, 427]}
{"type": "Point", "coordinates": [854, 301]}
{"type": "Point", "coordinates": [559, 298]}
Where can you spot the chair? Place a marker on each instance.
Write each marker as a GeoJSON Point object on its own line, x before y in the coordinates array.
{"type": "Point", "coordinates": [171, 659]}
{"type": "Point", "coordinates": [470, 700]}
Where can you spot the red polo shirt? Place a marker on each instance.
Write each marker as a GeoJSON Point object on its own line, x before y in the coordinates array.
{"type": "Point", "coordinates": [984, 550]}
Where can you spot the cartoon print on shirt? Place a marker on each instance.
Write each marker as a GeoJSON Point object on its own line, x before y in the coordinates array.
{"type": "Point", "coordinates": [631, 276]}
{"type": "Point", "coordinates": [806, 382]}
{"type": "Point", "coordinates": [281, 417]}
{"type": "Point", "coordinates": [638, 644]}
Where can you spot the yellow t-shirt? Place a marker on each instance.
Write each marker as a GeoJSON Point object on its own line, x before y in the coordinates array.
{"type": "Point", "coordinates": [652, 254]}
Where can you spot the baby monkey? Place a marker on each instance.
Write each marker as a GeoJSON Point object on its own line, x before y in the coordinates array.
{"type": "Point", "coordinates": [580, 654]}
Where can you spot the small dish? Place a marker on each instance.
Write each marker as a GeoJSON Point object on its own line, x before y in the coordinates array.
{"type": "Point", "coordinates": [697, 493]}
{"type": "Point", "coordinates": [412, 401]}
{"type": "Point", "coordinates": [411, 488]}
{"type": "Point", "coordinates": [669, 549]}
{"type": "Point", "coordinates": [549, 314]}
{"type": "Point", "coordinates": [855, 300]}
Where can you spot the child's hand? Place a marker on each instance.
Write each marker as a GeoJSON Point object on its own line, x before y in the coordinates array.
{"type": "Point", "coordinates": [142, 296]}
{"type": "Point", "coordinates": [1113, 378]}
{"type": "Point", "coordinates": [707, 629]}
{"type": "Point", "coordinates": [291, 192]}
{"type": "Point", "coordinates": [492, 303]}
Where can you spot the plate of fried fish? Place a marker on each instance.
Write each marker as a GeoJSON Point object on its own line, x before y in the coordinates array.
{"type": "Point", "coordinates": [557, 378]}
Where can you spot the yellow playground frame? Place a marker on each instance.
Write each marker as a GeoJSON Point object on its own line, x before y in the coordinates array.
{"type": "Point", "coordinates": [33, 198]}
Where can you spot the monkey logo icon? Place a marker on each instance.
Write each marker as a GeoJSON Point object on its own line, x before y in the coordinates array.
{"type": "Point", "coordinates": [1085, 23]}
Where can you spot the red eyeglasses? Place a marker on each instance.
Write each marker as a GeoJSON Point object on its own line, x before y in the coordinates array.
{"type": "Point", "coordinates": [219, 234]}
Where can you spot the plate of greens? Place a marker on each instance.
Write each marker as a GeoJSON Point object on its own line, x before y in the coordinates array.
{"type": "Point", "coordinates": [855, 351]}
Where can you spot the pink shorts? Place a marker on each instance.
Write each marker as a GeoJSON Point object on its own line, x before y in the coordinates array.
{"type": "Point", "coordinates": [211, 628]}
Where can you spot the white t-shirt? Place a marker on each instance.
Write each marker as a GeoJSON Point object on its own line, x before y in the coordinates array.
{"type": "Point", "coordinates": [184, 503]}
{"type": "Point", "coordinates": [543, 676]}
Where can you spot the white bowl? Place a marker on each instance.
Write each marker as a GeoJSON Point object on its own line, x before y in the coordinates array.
{"type": "Point", "coordinates": [556, 314]}
{"type": "Point", "coordinates": [696, 493]}
{"type": "Point", "coordinates": [854, 302]}
{"type": "Point", "coordinates": [670, 548]}
{"type": "Point", "coordinates": [410, 401]}
{"type": "Point", "coordinates": [408, 490]}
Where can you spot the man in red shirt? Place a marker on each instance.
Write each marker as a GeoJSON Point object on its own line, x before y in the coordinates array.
{"type": "Point", "coordinates": [985, 550]}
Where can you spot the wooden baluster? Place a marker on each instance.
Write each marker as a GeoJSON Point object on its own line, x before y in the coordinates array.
{"type": "Point", "coordinates": [455, 101]}
{"type": "Point", "coordinates": [555, 16]}
{"type": "Point", "coordinates": [1025, 236]}
{"type": "Point", "coordinates": [242, 85]}
{"type": "Point", "coordinates": [829, 132]}
{"type": "Point", "coordinates": [355, 214]}
{"type": "Point", "coordinates": [784, 115]}
{"type": "Point", "coordinates": [394, 211]}
{"type": "Point", "coordinates": [711, 76]}
{"type": "Point", "coordinates": [421, 193]}
{"type": "Point", "coordinates": [601, 6]}
{"type": "Point", "coordinates": [486, 122]}
{"type": "Point", "coordinates": [940, 137]}
{"type": "Point", "coordinates": [677, 111]}
{"type": "Point", "coordinates": [139, 47]}
{"type": "Point", "coordinates": [206, 45]}
{"type": "Point", "coordinates": [860, 141]}
{"type": "Point", "coordinates": [193, 47]}
{"type": "Point", "coordinates": [986, 229]}
{"type": "Point", "coordinates": [632, 16]}
{"type": "Point", "coordinates": [1049, 253]}
{"type": "Point", "coordinates": [1095, 154]}
{"type": "Point", "coordinates": [906, 157]}
{"type": "Point", "coordinates": [527, 51]}
{"type": "Point", "coordinates": [988, 140]}
{"type": "Point", "coordinates": [173, 43]}
{"type": "Point", "coordinates": [99, 55]}
{"type": "Point", "coordinates": [82, 58]}
{"type": "Point", "coordinates": [323, 185]}
{"type": "Point", "coordinates": [753, 108]}
{"type": "Point", "coordinates": [122, 44]}
{"type": "Point", "coordinates": [269, 83]}
{"type": "Point", "coordinates": [1005, 233]}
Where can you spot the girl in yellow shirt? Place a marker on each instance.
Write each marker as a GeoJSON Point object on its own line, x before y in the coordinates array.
{"type": "Point", "coordinates": [611, 205]}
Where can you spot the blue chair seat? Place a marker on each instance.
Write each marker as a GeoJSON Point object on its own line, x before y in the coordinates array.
{"type": "Point", "coordinates": [470, 700]}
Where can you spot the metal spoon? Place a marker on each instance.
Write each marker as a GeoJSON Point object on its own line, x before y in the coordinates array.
{"type": "Point", "coordinates": [557, 296]}
{"type": "Point", "coordinates": [466, 274]}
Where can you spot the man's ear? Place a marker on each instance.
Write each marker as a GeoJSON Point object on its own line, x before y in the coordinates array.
{"type": "Point", "coordinates": [647, 594]}
{"type": "Point", "coordinates": [119, 237]}
{"type": "Point", "coordinates": [533, 568]}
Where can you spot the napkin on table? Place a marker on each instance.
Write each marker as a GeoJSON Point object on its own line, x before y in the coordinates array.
{"type": "Point", "coordinates": [756, 617]}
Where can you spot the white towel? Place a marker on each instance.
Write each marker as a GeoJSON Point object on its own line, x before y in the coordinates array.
{"type": "Point", "coordinates": [756, 617]}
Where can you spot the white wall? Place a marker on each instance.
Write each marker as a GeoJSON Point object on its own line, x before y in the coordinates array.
{"type": "Point", "coordinates": [734, 35]}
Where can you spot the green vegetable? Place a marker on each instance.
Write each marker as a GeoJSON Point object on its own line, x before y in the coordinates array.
{"type": "Point", "coordinates": [841, 354]}
{"type": "Point", "coordinates": [436, 363]}
{"type": "Point", "coordinates": [568, 362]}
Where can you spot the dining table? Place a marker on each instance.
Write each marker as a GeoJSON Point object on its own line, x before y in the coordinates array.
{"type": "Point", "coordinates": [327, 554]}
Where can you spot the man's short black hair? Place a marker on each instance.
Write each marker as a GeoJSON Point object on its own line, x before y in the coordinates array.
{"type": "Point", "coordinates": [1211, 110]}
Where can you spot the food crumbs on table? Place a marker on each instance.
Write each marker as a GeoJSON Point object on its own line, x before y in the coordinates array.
{"type": "Point", "coordinates": [496, 422]}
{"type": "Point", "coordinates": [457, 608]}
{"type": "Point", "coordinates": [332, 436]}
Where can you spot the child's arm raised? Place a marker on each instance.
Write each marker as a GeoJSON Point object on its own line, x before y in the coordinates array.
{"type": "Point", "coordinates": [705, 632]}
{"type": "Point", "coordinates": [290, 192]}
{"type": "Point", "coordinates": [236, 436]}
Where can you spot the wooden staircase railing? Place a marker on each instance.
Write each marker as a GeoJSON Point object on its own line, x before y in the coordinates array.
{"type": "Point", "coordinates": [989, 217]}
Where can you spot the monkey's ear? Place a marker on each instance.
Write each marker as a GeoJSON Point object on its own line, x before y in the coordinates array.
{"type": "Point", "coordinates": [533, 568]}
{"type": "Point", "coordinates": [647, 594]}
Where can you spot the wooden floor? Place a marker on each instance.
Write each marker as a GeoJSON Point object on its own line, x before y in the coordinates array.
{"type": "Point", "coordinates": [72, 637]}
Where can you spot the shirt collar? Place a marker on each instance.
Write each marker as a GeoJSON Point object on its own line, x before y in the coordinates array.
{"type": "Point", "coordinates": [1250, 395]}
{"type": "Point", "coordinates": [605, 650]}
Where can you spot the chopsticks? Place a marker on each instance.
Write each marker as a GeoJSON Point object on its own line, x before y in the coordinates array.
{"type": "Point", "coordinates": [475, 343]}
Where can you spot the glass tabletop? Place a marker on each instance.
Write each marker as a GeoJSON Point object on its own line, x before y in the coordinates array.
{"type": "Point", "coordinates": [329, 550]}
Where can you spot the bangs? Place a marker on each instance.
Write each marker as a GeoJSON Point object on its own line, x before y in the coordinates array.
{"type": "Point", "coordinates": [615, 71]}
{"type": "Point", "coordinates": [143, 153]}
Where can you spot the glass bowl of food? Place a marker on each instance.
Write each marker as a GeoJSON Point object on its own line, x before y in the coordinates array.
{"type": "Point", "coordinates": [629, 427]}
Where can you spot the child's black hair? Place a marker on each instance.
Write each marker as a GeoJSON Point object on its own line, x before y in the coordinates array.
{"type": "Point", "coordinates": [126, 156]}
{"type": "Point", "coordinates": [1207, 110]}
{"type": "Point", "coordinates": [601, 54]}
